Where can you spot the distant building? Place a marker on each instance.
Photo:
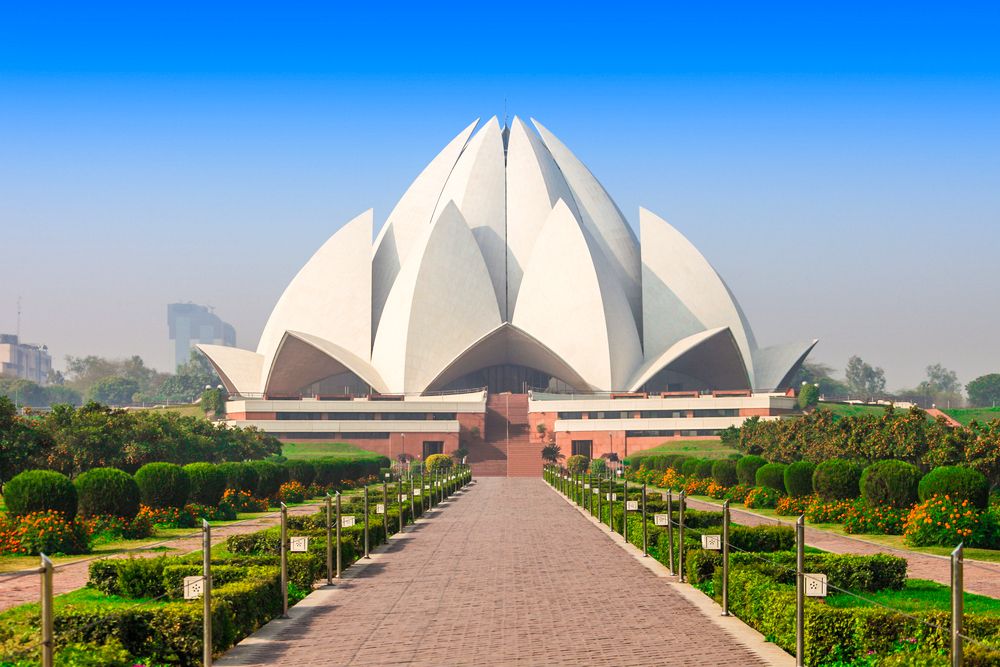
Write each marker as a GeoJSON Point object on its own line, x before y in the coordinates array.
{"type": "Point", "coordinates": [24, 360]}
{"type": "Point", "coordinates": [191, 324]}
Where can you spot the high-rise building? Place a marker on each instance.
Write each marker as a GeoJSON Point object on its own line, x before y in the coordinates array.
{"type": "Point", "coordinates": [24, 360]}
{"type": "Point", "coordinates": [189, 324]}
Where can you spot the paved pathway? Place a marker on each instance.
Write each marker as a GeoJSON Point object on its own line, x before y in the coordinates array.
{"type": "Point", "coordinates": [15, 590]}
{"type": "Point", "coordinates": [979, 576]}
{"type": "Point", "coordinates": [506, 573]}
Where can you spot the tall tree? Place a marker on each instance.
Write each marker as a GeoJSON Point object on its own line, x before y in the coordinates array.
{"type": "Point", "coordinates": [863, 378]}
{"type": "Point", "coordinates": [941, 380]}
{"type": "Point", "coordinates": [984, 391]}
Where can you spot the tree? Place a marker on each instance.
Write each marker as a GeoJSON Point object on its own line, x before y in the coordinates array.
{"type": "Point", "coordinates": [190, 380]}
{"type": "Point", "coordinates": [862, 378]}
{"type": "Point", "coordinates": [984, 391]}
{"type": "Point", "coordinates": [808, 396]}
{"type": "Point", "coordinates": [940, 380]}
{"type": "Point", "coordinates": [816, 372]}
{"type": "Point", "coordinates": [113, 391]}
{"type": "Point", "coordinates": [84, 372]}
{"type": "Point", "coordinates": [551, 453]}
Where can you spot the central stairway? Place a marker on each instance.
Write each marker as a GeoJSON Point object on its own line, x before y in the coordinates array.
{"type": "Point", "coordinates": [506, 450]}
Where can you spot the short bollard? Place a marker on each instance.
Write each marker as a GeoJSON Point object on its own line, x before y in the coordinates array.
{"type": "Point", "coordinates": [339, 523]}
{"type": "Point", "coordinates": [329, 539]}
{"type": "Point", "coordinates": [385, 506]}
{"type": "Point", "coordinates": [284, 560]}
{"type": "Point", "coordinates": [413, 501]}
{"type": "Point", "coordinates": [600, 499]}
{"type": "Point", "coordinates": [800, 591]}
{"type": "Point", "coordinates": [48, 631]}
{"type": "Point", "coordinates": [957, 604]}
{"type": "Point", "coordinates": [624, 511]}
{"type": "Point", "coordinates": [645, 527]}
{"type": "Point", "coordinates": [206, 596]}
{"type": "Point", "coordinates": [670, 531]}
{"type": "Point", "coordinates": [399, 501]}
{"type": "Point", "coordinates": [680, 539]}
{"type": "Point", "coordinates": [366, 523]}
{"type": "Point", "coordinates": [725, 558]}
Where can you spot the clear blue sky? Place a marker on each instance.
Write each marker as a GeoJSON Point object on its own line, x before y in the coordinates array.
{"type": "Point", "coordinates": [839, 165]}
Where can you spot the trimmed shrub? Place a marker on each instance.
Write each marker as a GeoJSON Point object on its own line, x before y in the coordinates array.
{"type": "Point", "coordinates": [705, 469]}
{"type": "Point", "coordinates": [799, 479]}
{"type": "Point", "coordinates": [598, 466]}
{"type": "Point", "coordinates": [762, 538]}
{"type": "Point", "coordinates": [771, 475]}
{"type": "Point", "coordinates": [724, 472]}
{"type": "Point", "coordinates": [763, 498]}
{"type": "Point", "coordinates": [107, 491]}
{"type": "Point", "coordinates": [690, 467]}
{"type": "Point", "coordinates": [269, 478]}
{"type": "Point", "coordinates": [439, 462]}
{"type": "Point", "coordinates": [677, 463]}
{"type": "Point", "coordinates": [577, 464]}
{"type": "Point", "coordinates": [40, 491]}
{"type": "Point", "coordinates": [957, 483]}
{"type": "Point", "coordinates": [746, 469]}
{"type": "Point", "coordinates": [303, 472]}
{"type": "Point", "coordinates": [890, 484]}
{"type": "Point", "coordinates": [208, 483]}
{"type": "Point", "coordinates": [163, 485]}
{"type": "Point", "coordinates": [836, 479]}
{"type": "Point", "coordinates": [240, 476]}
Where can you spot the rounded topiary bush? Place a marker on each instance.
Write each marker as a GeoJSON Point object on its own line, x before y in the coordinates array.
{"type": "Point", "coordinates": [269, 478]}
{"type": "Point", "coordinates": [799, 479]}
{"type": "Point", "coordinates": [724, 472]}
{"type": "Point", "coordinates": [577, 464]}
{"type": "Point", "coordinates": [771, 475]}
{"type": "Point", "coordinates": [957, 483]}
{"type": "Point", "coordinates": [163, 485]}
{"type": "Point", "coordinates": [836, 479]}
{"type": "Point", "coordinates": [746, 469]}
{"type": "Point", "coordinates": [302, 472]}
{"type": "Point", "coordinates": [240, 476]}
{"type": "Point", "coordinates": [208, 483]}
{"type": "Point", "coordinates": [38, 491]}
{"type": "Point", "coordinates": [690, 467]}
{"type": "Point", "coordinates": [439, 462]}
{"type": "Point", "coordinates": [705, 469]}
{"type": "Point", "coordinates": [107, 491]}
{"type": "Point", "coordinates": [890, 483]}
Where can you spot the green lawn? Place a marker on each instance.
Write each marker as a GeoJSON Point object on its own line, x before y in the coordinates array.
{"type": "Point", "coordinates": [322, 450]}
{"type": "Point", "coordinates": [192, 410]}
{"type": "Point", "coordinates": [703, 449]}
{"type": "Point", "coordinates": [918, 595]}
{"type": "Point", "coordinates": [840, 410]}
{"type": "Point", "coordinates": [966, 415]}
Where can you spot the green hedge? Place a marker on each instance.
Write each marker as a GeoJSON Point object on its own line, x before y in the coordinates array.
{"type": "Point", "coordinates": [240, 476]}
{"type": "Point", "coordinates": [724, 472]}
{"type": "Point", "coordinates": [958, 483]}
{"type": "Point", "coordinates": [746, 469]}
{"type": "Point", "coordinates": [270, 477]}
{"type": "Point", "coordinates": [163, 485]}
{"type": "Point", "coordinates": [107, 491]}
{"type": "Point", "coordinates": [38, 491]}
{"type": "Point", "coordinates": [208, 483]}
{"type": "Point", "coordinates": [890, 484]}
{"type": "Point", "coordinates": [798, 479]}
{"type": "Point", "coordinates": [866, 574]}
{"type": "Point", "coordinates": [772, 476]}
{"type": "Point", "coordinates": [837, 479]}
{"type": "Point", "coordinates": [303, 472]}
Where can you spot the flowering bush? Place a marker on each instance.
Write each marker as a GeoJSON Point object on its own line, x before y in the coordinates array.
{"type": "Point", "coordinates": [716, 490]}
{"type": "Point", "coordinates": [793, 506]}
{"type": "Point", "coordinates": [223, 512]}
{"type": "Point", "coordinates": [737, 493]}
{"type": "Point", "coordinates": [242, 501]}
{"type": "Point", "coordinates": [168, 517]}
{"type": "Point", "coordinates": [762, 497]}
{"type": "Point", "coordinates": [862, 519]}
{"type": "Point", "coordinates": [314, 490]}
{"type": "Point", "coordinates": [291, 492]}
{"type": "Point", "coordinates": [671, 479]}
{"type": "Point", "coordinates": [47, 532]}
{"type": "Point", "coordinates": [697, 487]}
{"type": "Point", "coordinates": [827, 512]}
{"type": "Point", "coordinates": [106, 528]}
{"type": "Point", "coordinates": [946, 521]}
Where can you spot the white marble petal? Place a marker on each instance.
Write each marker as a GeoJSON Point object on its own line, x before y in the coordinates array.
{"type": "Point", "coordinates": [775, 365]}
{"type": "Point", "coordinates": [442, 302]}
{"type": "Point", "coordinates": [238, 369]}
{"type": "Point", "coordinates": [711, 355]}
{"type": "Point", "coordinates": [409, 219]}
{"type": "Point", "coordinates": [477, 185]}
{"type": "Point", "coordinates": [302, 359]}
{"type": "Point", "coordinates": [534, 185]}
{"type": "Point", "coordinates": [601, 217]}
{"type": "Point", "coordinates": [330, 297]}
{"type": "Point", "coordinates": [682, 294]}
{"type": "Point", "coordinates": [571, 302]}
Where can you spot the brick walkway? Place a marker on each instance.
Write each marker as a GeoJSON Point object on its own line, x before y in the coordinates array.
{"type": "Point", "coordinates": [506, 573]}
{"type": "Point", "coordinates": [979, 576]}
{"type": "Point", "coordinates": [71, 576]}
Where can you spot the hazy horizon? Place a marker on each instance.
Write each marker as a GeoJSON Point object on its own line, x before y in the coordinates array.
{"type": "Point", "coordinates": [839, 170]}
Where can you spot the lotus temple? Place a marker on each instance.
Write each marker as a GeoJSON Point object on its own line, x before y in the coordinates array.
{"type": "Point", "coordinates": [505, 304]}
